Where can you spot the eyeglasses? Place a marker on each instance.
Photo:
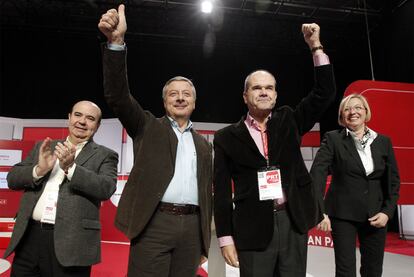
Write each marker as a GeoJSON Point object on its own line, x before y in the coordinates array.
{"type": "Point", "coordinates": [355, 108]}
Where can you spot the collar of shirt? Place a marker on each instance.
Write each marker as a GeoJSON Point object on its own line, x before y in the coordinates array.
{"type": "Point", "coordinates": [255, 132]}
{"type": "Point", "coordinates": [363, 147]}
{"type": "Point", "coordinates": [369, 133]}
{"type": "Point", "coordinates": [78, 146]}
{"type": "Point", "coordinates": [252, 123]}
{"type": "Point", "coordinates": [174, 124]}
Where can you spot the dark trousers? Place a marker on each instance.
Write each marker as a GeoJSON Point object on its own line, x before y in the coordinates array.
{"type": "Point", "coordinates": [170, 246]}
{"type": "Point", "coordinates": [35, 256]}
{"type": "Point", "coordinates": [284, 257]}
{"type": "Point", "coordinates": [371, 247]}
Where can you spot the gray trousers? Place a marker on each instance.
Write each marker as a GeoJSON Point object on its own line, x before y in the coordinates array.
{"type": "Point", "coordinates": [35, 255]}
{"type": "Point", "coordinates": [170, 246]}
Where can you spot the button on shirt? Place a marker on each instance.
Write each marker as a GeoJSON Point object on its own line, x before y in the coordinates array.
{"type": "Point", "coordinates": [53, 183]}
{"type": "Point", "coordinates": [364, 152]}
{"type": "Point", "coordinates": [183, 187]}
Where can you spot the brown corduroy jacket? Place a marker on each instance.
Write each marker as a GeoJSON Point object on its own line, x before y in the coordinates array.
{"type": "Point", "coordinates": [155, 146]}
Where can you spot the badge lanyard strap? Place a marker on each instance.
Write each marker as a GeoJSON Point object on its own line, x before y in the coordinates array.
{"type": "Point", "coordinates": [266, 152]}
{"type": "Point", "coordinates": [265, 146]}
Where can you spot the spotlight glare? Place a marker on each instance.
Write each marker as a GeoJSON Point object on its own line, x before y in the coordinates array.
{"type": "Point", "coordinates": [206, 6]}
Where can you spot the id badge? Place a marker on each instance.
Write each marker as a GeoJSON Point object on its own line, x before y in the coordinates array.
{"type": "Point", "coordinates": [49, 212]}
{"type": "Point", "coordinates": [270, 183]}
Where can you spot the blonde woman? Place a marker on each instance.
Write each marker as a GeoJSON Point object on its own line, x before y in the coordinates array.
{"type": "Point", "coordinates": [364, 189]}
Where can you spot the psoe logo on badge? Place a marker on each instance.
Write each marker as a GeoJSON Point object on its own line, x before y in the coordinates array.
{"type": "Point", "coordinates": [272, 177]}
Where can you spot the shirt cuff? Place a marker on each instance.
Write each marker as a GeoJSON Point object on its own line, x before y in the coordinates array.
{"type": "Point", "coordinates": [226, 240]}
{"type": "Point", "coordinates": [71, 171]}
{"type": "Point", "coordinates": [116, 47]}
{"type": "Point", "coordinates": [35, 176]}
{"type": "Point", "coordinates": [320, 59]}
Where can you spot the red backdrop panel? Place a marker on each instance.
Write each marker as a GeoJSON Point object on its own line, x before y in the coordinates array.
{"type": "Point", "coordinates": [40, 133]}
{"type": "Point", "coordinates": [108, 212]}
{"type": "Point", "coordinates": [393, 115]}
{"type": "Point", "coordinates": [311, 139]}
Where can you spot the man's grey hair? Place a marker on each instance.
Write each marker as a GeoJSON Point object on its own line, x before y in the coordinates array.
{"type": "Point", "coordinates": [178, 78]}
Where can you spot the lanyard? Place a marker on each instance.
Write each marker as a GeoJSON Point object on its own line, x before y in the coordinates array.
{"type": "Point", "coordinates": [265, 146]}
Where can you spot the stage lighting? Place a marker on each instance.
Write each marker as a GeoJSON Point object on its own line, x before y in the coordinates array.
{"type": "Point", "coordinates": [206, 6]}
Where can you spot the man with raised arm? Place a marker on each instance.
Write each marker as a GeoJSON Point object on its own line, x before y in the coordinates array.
{"type": "Point", "coordinates": [262, 225]}
{"type": "Point", "coordinates": [165, 208]}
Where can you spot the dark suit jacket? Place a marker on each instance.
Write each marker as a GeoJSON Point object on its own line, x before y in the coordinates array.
{"type": "Point", "coordinates": [155, 147]}
{"type": "Point", "coordinates": [237, 158]}
{"type": "Point", "coordinates": [352, 195]}
{"type": "Point", "coordinates": [77, 232]}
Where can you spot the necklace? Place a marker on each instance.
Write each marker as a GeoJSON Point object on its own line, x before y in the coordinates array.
{"type": "Point", "coordinates": [365, 138]}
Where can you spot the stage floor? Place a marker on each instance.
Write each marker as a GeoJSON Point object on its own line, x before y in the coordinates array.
{"type": "Point", "coordinates": [398, 261]}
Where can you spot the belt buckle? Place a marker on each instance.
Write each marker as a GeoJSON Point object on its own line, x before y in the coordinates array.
{"type": "Point", "coordinates": [177, 209]}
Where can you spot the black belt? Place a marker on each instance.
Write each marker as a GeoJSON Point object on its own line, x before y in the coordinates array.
{"type": "Point", "coordinates": [178, 209]}
{"type": "Point", "coordinates": [41, 225]}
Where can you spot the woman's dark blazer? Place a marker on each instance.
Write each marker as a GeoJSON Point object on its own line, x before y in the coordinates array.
{"type": "Point", "coordinates": [352, 195]}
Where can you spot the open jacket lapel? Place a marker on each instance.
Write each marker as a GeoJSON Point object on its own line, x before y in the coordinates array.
{"type": "Point", "coordinates": [241, 133]}
{"type": "Point", "coordinates": [172, 137]}
{"type": "Point", "coordinates": [375, 153]}
{"type": "Point", "coordinates": [275, 137]}
{"type": "Point", "coordinates": [351, 148]}
{"type": "Point", "coordinates": [201, 153]}
{"type": "Point", "coordinates": [87, 151]}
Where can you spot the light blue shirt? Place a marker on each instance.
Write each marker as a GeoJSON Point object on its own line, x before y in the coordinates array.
{"type": "Point", "coordinates": [183, 186]}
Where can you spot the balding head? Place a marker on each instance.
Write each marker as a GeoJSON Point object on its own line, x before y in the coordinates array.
{"type": "Point", "coordinates": [92, 106]}
{"type": "Point", "coordinates": [84, 121]}
{"type": "Point", "coordinates": [259, 71]}
{"type": "Point", "coordinates": [260, 93]}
